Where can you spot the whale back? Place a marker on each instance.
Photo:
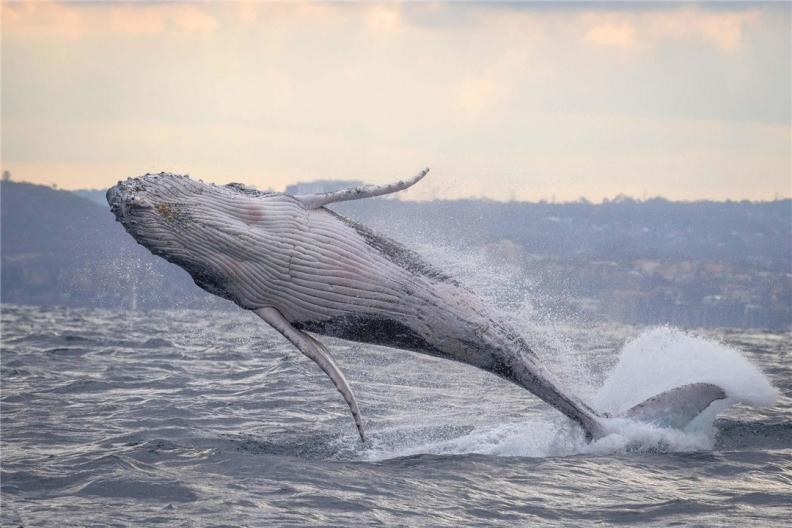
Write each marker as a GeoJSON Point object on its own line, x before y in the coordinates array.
{"type": "Point", "coordinates": [396, 252]}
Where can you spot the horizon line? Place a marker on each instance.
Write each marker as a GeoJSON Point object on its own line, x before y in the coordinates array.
{"type": "Point", "coordinates": [619, 198]}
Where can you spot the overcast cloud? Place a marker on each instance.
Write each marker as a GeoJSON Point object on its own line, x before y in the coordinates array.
{"type": "Point", "coordinates": [524, 101]}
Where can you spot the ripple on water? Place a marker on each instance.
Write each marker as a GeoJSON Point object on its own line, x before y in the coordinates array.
{"type": "Point", "coordinates": [186, 418]}
{"type": "Point", "coordinates": [139, 489]}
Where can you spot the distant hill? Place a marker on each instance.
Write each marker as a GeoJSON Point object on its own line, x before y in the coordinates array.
{"type": "Point", "coordinates": [653, 261]}
{"type": "Point", "coordinates": [60, 248]}
{"type": "Point", "coordinates": [95, 195]}
{"type": "Point", "coordinates": [615, 230]}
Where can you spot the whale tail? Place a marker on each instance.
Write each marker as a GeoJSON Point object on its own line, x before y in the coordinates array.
{"type": "Point", "coordinates": [674, 408]}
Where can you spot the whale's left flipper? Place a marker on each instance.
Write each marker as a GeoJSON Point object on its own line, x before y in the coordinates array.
{"type": "Point", "coordinates": [677, 407]}
{"type": "Point", "coordinates": [319, 354]}
{"type": "Point", "coordinates": [314, 201]}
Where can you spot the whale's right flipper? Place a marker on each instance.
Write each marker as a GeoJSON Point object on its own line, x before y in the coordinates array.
{"type": "Point", "coordinates": [319, 354]}
{"type": "Point", "coordinates": [677, 407]}
{"type": "Point", "coordinates": [314, 201]}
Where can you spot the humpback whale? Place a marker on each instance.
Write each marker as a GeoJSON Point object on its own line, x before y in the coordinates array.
{"type": "Point", "coordinates": [306, 270]}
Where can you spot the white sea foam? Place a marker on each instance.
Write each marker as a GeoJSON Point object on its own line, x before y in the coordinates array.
{"type": "Point", "coordinates": [664, 358]}
{"type": "Point", "coordinates": [656, 361]}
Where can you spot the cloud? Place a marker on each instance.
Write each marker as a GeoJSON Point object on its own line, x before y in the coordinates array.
{"type": "Point", "coordinates": [39, 19]}
{"type": "Point", "coordinates": [489, 96]}
{"type": "Point", "coordinates": [616, 28]}
{"type": "Point", "coordinates": [725, 30]}
{"type": "Point", "coordinates": [620, 34]}
{"type": "Point", "coordinates": [476, 95]}
{"type": "Point", "coordinates": [77, 20]}
{"type": "Point", "coordinates": [383, 18]}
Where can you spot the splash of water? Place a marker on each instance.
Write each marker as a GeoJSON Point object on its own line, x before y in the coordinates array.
{"type": "Point", "coordinates": [664, 358]}
{"type": "Point", "coordinates": [657, 360]}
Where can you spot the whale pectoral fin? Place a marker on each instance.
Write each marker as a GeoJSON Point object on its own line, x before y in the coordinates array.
{"type": "Point", "coordinates": [677, 407]}
{"type": "Point", "coordinates": [314, 201]}
{"type": "Point", "coordinates": [319, 354]}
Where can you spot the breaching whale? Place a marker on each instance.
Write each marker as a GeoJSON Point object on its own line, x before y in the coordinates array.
{"type": "Point", "coordinates": [305, 269]}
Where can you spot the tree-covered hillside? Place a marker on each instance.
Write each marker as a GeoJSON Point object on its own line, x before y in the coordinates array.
{"type": "Point", "coordinates": [654, 261]}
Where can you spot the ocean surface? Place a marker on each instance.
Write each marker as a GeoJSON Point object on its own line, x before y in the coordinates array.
{"type": "Point", "coordinates": [188, 418]}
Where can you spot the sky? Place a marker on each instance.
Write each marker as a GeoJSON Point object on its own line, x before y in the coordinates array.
{"type": "Point", "coordinates": [506, 101]}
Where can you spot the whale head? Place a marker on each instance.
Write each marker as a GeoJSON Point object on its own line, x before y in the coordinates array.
{"type": "Point", "coordinates": [201, 227]}
{"type": "Point", "coordinates": [155, 209]}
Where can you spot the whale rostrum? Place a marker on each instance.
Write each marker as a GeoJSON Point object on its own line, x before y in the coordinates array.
{"type": "Point", "coordinates": [304, 269]}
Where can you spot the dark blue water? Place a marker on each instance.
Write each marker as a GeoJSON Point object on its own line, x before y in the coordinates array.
{"type": "Point", "coordinates": [211, 419]}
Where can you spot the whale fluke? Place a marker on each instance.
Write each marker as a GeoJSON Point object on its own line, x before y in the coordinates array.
{"type": "Point", "coordinates": [677, 407]}
{"type": "Point", "coordinates": [314, 201]}
{"type": "Point", "coordinates": [317, 352]}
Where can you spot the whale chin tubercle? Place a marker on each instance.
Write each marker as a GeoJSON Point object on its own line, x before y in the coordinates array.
{"type": "Point", "coordinates": [113, 197]}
